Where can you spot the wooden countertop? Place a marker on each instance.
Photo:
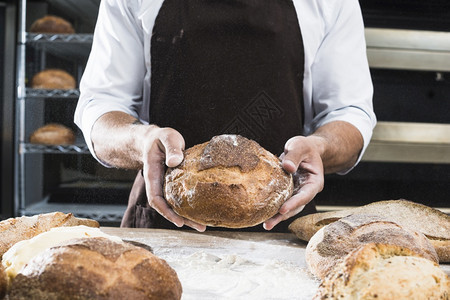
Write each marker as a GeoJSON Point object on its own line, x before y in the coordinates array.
{"type": "Point", "coordinates": [232, 264]}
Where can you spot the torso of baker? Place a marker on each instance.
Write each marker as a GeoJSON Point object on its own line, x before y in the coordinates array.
{"type": "Point", "coordinates": [228, 67]}
{"type": "Point", "coordinates": [210, 67]}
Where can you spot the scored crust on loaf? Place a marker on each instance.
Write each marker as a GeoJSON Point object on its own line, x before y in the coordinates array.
{"type": "Point", "coordinates": [52, 24]}
{"type": "Point", "coordinates": [434, 224]}
{"type": "Point", "coordinates": [96, 268]}
{"type": "Point", "coordinates": [13, 230]}
{"type": "Point", "coordinates": [334, 241]}
{"type": "Point", "coordinates": [230, 151]}
{"type": "Point", "coordinates": [229, 181]}
{"type": "Point", "coordinates": [379, 271]}
{"type": "Point", "coordinates": [53, 79]}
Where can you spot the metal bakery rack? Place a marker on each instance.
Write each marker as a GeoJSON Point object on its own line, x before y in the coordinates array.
{"type": "Point", "coordinates": [59, 177]}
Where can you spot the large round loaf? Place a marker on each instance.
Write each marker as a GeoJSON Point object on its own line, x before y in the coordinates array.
{"type": "Point", "coordinates": [379, 271]}
{"type": "Point", "coordinates": [53, 79]}
{"type": "Point", "coordinates": [53, 134]}
{"type": "Point", "coordinates": [434, 224]}
{"type": "Point", "coordinates": [96, 268]}
{"type": "Point", "coordinates": [52, 24]}
{"type": "Point", "coordinates": [333, 242]}
{"type": "Point", "coordinates": [14, 230]}
{"type": "Point", "coordinates": [230, 181]}
{"type": "Point", "coordinates": [3, 282]}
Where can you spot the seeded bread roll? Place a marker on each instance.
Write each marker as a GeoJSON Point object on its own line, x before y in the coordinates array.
{"type": "Point", "coordinates": [96, 268]}
{"type": "Point", "coordinates": [378, 271]}
{"type": "Point", "coordinates": [53, 79]}
{"type": "Point", "coordinates": [52, 24]}
{"type": "Point", "coordinates": [14, 230]}
{"type": "Point", "coordinates": [334, 241]}
{"type": "Point", "coordinates": [229, 181]}
{"type": "Point", "coordinates": [53, 134]}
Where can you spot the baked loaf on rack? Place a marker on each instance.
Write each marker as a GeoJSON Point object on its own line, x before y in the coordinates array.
{"type": "Point", "coordinates": [53, 134]}
{"type": "Point", "coordinates": [333, 242]}
{"type": "Point", "coordinates": [434, 224]}
{"type": "Point", "coordinates": [52, 24]}
{"type": "Point", "coordinates": [96, 268]}
{"type": "Point", "coordinates": [378, 271]}
{"type": "Point", "coordinates": [53, 79]}
{"type": "Point", "coordinates": [14, 230]}
{"type": "Point", "coordinates": [230, 181]}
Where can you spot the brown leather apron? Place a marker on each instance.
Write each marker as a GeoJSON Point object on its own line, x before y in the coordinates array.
{"type": "Point", "coordinates": [224, 66]}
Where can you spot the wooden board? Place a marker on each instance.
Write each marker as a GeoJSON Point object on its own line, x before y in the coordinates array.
{"type": "Point", "coordinates": [232, 264]}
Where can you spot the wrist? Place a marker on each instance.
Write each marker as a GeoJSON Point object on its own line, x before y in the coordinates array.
{"type": "Point", "coordinates": [142, 137]}
{"type": "Point", "coordinates": [339, 144]}
{"type": "Point", "coordinates": [319, 143]}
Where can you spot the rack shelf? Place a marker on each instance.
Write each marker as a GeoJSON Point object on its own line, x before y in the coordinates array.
{"type": "Point", "coordinates": [43, 93]}
{"type": "Point", "coordinates": [68, 46]}
{"type": "Point", "coordinates": [54, 149]}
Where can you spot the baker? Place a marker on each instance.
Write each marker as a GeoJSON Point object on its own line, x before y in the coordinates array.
{"type": "Point", "coordinates": [166, 75]}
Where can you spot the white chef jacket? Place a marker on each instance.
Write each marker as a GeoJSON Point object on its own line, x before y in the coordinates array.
{"type": "Point", "coordinates": [337, 84]}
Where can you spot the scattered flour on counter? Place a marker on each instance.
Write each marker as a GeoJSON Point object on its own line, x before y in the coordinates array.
{"type": "Point", "coordinates": [211, 277]}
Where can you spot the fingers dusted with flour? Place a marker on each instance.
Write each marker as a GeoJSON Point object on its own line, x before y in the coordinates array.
{"type": "Point", "coordinates": [302, 159]}
{"type": "Point", "coordinates": [334, 147]}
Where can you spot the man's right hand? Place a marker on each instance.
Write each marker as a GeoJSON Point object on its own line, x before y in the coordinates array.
{"type": "Point", "coordinates": [121, 141]}
{"type": "Point", "coordinates": [163, 146]}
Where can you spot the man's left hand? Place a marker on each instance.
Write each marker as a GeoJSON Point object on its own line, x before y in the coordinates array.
{"type": "Point", "coordinates": [302, 159]}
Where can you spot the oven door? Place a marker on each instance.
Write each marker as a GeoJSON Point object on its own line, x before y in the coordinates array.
{"type": "Point", "coordinates": [408, 48]}
{"type": "Point", "coordinates": [407, 14]}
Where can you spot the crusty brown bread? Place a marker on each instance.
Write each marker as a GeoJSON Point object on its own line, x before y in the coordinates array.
{"type": "Point", "coordinates": [378, 271]}
{"type": "Point", "coordinates": [17, 229]}
{"type": "Point", "coordinates": [333, 242]}
{"type": "Point", "coordinates": [434, 224]}
{"type": "Point", "coordinates": [96, 268]}
{"type": "Point", "coordinates": [52, 24]}
{"type": "Point", "coordinates": [53, 79]}
{"type": "Point", "coordinates": [53, 134]}
{"type": "Point", "coordinates": [229, 181]}
{"type": "Point", "coordinates": [3, 282]}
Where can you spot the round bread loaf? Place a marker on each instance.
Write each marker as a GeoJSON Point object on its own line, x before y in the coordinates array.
{"type": "Point", "coordinates": [51, 24]}
{"type": "Point", "coordinates": [379, 271]}
{"type": "Point", "coordinates": [14, 230]}
{"type": "Point", "coordinates": [434, 224]}
{"type": "Point", "coordinates": [53, 79]}
{"type": "Point", "coordinates": [96, 268]}
{"type": "Point", "coordinates": [53, 134]}
{"type": "Point", "coordinates": [230, 181]}
{"type": "Point", "coordinates": [3, 282]}
{"type": "Point", "coordinates": [334, 241]}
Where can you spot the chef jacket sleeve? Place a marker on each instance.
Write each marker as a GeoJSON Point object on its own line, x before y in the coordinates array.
{"type": "Point", "coordinates": [342, 87]}
{"type": "Point", "coordinates": [112, 80]}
